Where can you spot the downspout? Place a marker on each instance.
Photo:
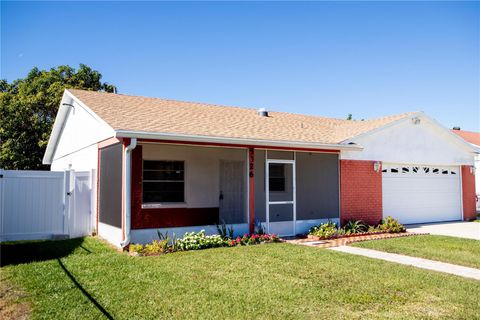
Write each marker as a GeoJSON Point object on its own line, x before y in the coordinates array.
{"type": "Point", "coordinates": [128, 190]}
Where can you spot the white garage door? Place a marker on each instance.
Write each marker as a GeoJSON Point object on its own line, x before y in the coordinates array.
{"type": "Point", "coordinates": [417, 194]}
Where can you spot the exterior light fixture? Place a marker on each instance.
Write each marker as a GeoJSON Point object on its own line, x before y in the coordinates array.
{"type": "Point", "coordinates": [472, 169]}
{"type": "Point", "coordinates": [376, 166]}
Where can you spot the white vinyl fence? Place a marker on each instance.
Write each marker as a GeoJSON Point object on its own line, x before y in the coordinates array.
{"type": "Point", "coordinates": [45, 204]}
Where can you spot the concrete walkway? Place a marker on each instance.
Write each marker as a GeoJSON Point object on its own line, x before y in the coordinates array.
{"type": "Point", "coordinates": [461, 271]}
{"type": "Point", "coordinates": [461, 229]}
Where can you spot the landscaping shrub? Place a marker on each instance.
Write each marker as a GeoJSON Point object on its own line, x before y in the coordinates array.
{"type": "Point", "coordinates": [251, 239]}
{"type": "Point", "coordinates": [354, 226]}
{"type": "Point", "coordinates": [155, 247]}
{"type": "Point", "coordinates": [136, 247]}
{"type": "Point", "coordinates": [198, 240]}
{"type": "Point", "coordinates": [224, 231]}
{"type": "Point", "coordinates": [324, 231]}
{"type": "Point", "coordinates": [259, 228]}
{"type": "Point", "coordinates": [330, 230]}
{"type": "Point", "coordinates": [391, 225]}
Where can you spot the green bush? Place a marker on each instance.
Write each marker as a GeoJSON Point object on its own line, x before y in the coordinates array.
{"type": "Point", "coordinates": [354, 226]}
{"type": "Point", "coordinates": [155, 247]}
{"type": "Point", "coordinates": [330, 230]}
{"type": "Point", "coordinates": [137, 247]}
{"type": "Point", "coordinates": [324, 231]}
{"type": "Point", "coordinates": [224, 231]}
{"type": "Point", "coordinates": [198, 240]}
{"type": "Point", "coordinates": [391, 225]}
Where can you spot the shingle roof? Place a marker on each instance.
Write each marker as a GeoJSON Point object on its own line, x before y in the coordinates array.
{"type": "Point", "coordinates": [470, 136]}
{"type": "Point", "coordinates": [134, 113]}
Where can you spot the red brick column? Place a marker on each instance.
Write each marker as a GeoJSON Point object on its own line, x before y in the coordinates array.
{"type": "Point", "coordinates": [360, 192]}
{"type": "Point", "coordinates": [468, 193]}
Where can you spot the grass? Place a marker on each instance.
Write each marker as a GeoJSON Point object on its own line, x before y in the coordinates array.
{"type": "Point", "coordinates": [86, 278]}
{"type": "Point", "coordinates": [465, 252]}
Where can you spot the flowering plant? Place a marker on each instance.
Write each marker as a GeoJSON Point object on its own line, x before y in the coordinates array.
{"type": "Point", "coordinates": [251, 239]}
{"type": "Point", "coordinates": [199, 240]}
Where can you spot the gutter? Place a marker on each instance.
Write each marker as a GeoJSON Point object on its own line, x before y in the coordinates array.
{"type": "Point", "coordinates": [127, 201]}
{"type": "Point", "coordinates": [234, 141]}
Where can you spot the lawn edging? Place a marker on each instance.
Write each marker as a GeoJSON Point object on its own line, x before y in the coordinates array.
{"type": "Point", "coordinates": [346, 240]}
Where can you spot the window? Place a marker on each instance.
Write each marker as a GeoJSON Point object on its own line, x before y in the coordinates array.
{"type": "Point", "coordinates": [276, 175]}
{"type": "Point", "coordinates": [163, 181]}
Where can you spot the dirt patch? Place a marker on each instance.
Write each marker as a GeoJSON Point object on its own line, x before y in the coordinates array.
{"type": "Point", "coordinates": [12, 301]}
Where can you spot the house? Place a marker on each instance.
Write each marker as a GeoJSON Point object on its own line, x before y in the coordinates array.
{"type": "Point", "coordinates": [474, 139]}
{"type": "Point", "coordinates": [180, 166]}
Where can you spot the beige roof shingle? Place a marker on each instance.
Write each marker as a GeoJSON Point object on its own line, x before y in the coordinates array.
{"type": "Point", "coordinates": [134, 113]}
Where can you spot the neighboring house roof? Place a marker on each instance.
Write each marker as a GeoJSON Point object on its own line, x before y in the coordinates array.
{"type": "Point", "coordinates": [142, 114]}
{"type": "Point", "coordinates": [469, 136]}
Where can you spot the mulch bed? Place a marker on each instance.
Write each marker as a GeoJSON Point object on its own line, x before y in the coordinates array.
{"type": "Point", "coordinates": [350, 239]}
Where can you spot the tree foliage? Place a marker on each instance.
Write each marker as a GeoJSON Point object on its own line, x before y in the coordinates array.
{"type": "Point", "coordinates": [28, 108]}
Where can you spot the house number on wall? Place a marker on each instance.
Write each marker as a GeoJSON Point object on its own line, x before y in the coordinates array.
{"type": "Point", "coordinates": [251, 157]}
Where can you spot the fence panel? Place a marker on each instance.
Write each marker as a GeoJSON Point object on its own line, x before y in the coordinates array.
{"type": "Point", "coordinates": [44, 204]}
{"type": "Point", "coordinates": [32, 204]}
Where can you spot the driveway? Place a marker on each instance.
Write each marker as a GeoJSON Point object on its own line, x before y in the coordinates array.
{"type": "Point", "coordinates": [461, 229]}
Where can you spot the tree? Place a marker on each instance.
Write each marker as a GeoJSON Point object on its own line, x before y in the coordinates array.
{"type": "Point", "coordinates": [350, 116]}
{"type": "Point", "coordinates": [28, 108]}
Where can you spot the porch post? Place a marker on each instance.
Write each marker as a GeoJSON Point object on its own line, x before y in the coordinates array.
{"type": "Point", "coordinates": [251, 188]}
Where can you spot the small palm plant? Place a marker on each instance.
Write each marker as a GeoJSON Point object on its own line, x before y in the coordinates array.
{"type": "Point", "coordinates": [354, 226]}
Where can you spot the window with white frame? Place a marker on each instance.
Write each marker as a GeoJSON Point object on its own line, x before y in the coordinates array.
{"type": "Point", "coordinates": [163, 181]}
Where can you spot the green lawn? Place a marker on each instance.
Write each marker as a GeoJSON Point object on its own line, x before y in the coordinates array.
{"type": "Point", "coordinates": [465, 252]}
{"type": "Point", "coordinates": [86, 278]}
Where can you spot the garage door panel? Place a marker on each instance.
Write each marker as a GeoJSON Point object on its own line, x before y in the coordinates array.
{"type": "Point", "coordinates": [430, 194]}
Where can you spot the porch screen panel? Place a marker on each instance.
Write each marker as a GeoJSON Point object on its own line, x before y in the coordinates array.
{"type": "Point", "coordinates": [260, 196]}
{"type": "Point", "coordinates": [110, 186]}
{"type": "Point", "coordinates": [317, 186]}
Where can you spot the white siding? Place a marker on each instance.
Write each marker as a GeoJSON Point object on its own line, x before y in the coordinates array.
{"type": "Point", "coordinates": [82, 130]}
{"type": "Point", "coordinates": [77, 146]}
{"type": "Point", "coordinates": [405, 142]}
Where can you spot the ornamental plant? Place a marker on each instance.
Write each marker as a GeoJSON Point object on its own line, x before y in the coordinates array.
{"type": "Point", "coordinates": [354, 226]}
{"type": "Point", "coordinates": [391, 225]}
{"type": "Point", "coordinates": [199, 240]}
{"type": "Point", "coordinates": [324, 231]}
{"type": "Point", "coordinates": [330, 230]}
{"type": "Point", "coordinates": [252, 239]}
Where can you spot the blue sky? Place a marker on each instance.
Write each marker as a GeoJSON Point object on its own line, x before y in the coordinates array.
{"type": "Point", "coordinates": [322, 58]}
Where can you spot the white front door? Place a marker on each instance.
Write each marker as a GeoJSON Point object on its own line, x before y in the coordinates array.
{"type": "Point", "coordinates": [420, 194]}
{"type": "Point", "coordinates": [280, 196]}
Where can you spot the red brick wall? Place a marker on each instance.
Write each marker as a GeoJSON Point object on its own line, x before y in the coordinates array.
{"type": "Point", "coordinates": [468, 193]}
{"type": "Point", "coordinates": [360, 192]}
